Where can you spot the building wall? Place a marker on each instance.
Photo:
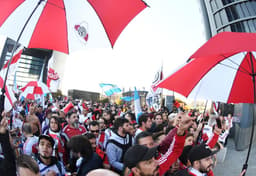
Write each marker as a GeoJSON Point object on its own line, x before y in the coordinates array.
{"type": "Point", "coordinates": [30, 66]}
{"type": "Point", "coordinates": [229, 15]}
{"type": "Point", "coordinates": [85, 95]}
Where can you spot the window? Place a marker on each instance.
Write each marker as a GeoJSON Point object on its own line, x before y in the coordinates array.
{"type": "Point", "coordinates": [251, 24]}
{"type": "Point", "coordinates": [214, 6]}
{"type": "Point", "coordinates": [245, 9]}
{"type": "Point", "coordinates": [251, 6]}
{"type": "Point", "coordinates": [225, 2]}
{"type": "Point", "coordinates": [237, 27]}
{"type": "Point", "coordinates": [223, 16]}
{"type": "Point", "coordinates": [217, 20]}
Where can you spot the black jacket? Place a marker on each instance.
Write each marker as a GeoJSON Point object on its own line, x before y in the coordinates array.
{"type": "Point", "coordinates": [87, 165]}
{"type": "Point", "coordinates": [7, 165]}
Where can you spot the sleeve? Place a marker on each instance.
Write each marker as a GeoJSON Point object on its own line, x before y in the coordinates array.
{"type": "Point", "coordinates": [163, 147]}
{"type": "Point", "coordinates": [112, 153]}
{"type": "Point", "coordinates": [9, 157]}
{"type": "Point", "coordinates": [63, 170]}
{"type": "Point", "coordinates": [212, 140]}
{"type": "Point", "coordinates": [173, 153]}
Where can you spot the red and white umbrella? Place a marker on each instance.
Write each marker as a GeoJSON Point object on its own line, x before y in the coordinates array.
{"type": "Point", "coordinates": [65, 25]}
{"type": "Point", "coordinates": [223, 69]}
{"type": "Point", "coordinates": [33, 89]}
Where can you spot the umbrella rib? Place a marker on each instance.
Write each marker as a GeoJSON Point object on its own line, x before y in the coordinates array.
{"type": "Point", "coordinates": [239, 66]}
{"type": "Point", "coordinates": [51, 3]}
{"type": "Point", "coordinates": [242, 71]}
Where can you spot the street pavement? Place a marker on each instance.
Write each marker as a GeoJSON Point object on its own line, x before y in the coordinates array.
{"type": "Point", "coordinates": [234, 161]}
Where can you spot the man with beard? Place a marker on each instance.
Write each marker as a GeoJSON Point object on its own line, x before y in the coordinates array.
{"type": "Point", "coordinates": [73, 128]}
{"type": "Point", "coordinates": [118, 144]}
{"type": "Point", "coordinates": [48, 165]}
{"type": "Point", "coordinates": [142, 161]}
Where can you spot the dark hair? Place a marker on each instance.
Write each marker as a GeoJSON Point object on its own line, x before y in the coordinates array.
{"type": "Point", "coordinates": [156, 114]}
{"type": "Point", "coordinates": [70, 112]}
{"type": "Point", "coordinates": [94, 123]}
{"type": "Point", "coordinates": [80, 144]}
{"type": "Point", "coordinates": [119, 123]}
{"type": "Point", "coordinates": [156, 135]}
{"type": "Point", "coordinates": [189, 134]}
{"type": "Point", "coordinates": [132, 115]}
{"type": "Point", "coordinates": [26, 127]}
{"type": "Point", "coordinates": [26, 161]}
{"type": "Point", "coordinates": [90, 136]}
{"type": "Point", "coordinates": [143, 118]}
{"type": "Point", "coordinates": [143, 134]}
{"type": "Point", "coordinates": [57, 120]}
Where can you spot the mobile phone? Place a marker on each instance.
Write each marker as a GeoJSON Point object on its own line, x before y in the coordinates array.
{"type": "Point", "coordinates": [218, 122]}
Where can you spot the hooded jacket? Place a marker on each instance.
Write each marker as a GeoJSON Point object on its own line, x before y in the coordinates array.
{"type": "Point", "coordinates": [116, 147]}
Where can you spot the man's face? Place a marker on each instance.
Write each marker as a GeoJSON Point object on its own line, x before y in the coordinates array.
{"type": "Point", "coordinates": [205, 164]}
{"type": "Point", "coordinates": [126, 128]}
{"type": "Point", "coordinates": [159, 119]}
{"type": "Point", "coordinates": [101, 124]}
{"type": "Point", "coordinates": [94, 130]}
{"type": "Point", "coordinates": [45, 148]}
{"type": "Point", "coordinates": [74, 121]}
{"type": "Point", "coordinates": [148, 123]}
{"type": "Point", "coordinates": [149, 167]}
{"type": "Point", "coordinates": [147, 141]}
{"type": "Point", "coordinates": [93, 143]}
{"type": "Point", "coordinates": [25, 171]}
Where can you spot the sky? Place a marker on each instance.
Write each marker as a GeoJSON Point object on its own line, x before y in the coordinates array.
{"type": "Point", "coordinates": [166, 33]}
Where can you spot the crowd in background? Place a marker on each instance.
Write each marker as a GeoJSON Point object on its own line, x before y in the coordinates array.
{"type": "Point", "coordinates": [76, 137]}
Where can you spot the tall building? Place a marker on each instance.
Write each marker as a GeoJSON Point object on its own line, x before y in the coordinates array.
{"type": "Point", "coordinates": [234, 16]}
{"type": "Point", "coordinates": [228, 15]}
{"type": "Point", "coordinates": [31, 63]}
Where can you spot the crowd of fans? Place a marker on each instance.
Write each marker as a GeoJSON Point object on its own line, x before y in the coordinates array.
{"type": "Point", "coordinates": [71, 137]}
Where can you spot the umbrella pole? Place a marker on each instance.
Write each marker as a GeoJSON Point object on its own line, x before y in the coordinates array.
{"type": "Point", "coordinates": [2, 97]}
{"type": "Point", "coordinates": [253, 74]}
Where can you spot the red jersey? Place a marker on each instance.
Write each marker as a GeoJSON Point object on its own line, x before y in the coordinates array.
{"type": "Point", "coordinates": [70, 131]}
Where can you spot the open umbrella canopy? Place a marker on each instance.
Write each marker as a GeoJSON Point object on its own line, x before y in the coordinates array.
{"type": "Point", "coordinates": [34, 88]}
{"type": "Point", "coordinates": [220, 70]}
{"type": "Point", "coordinates": [64, 25]}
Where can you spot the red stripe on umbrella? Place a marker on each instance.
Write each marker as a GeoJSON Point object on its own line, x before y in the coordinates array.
{"type": "Point", "coordinates": [242, 89]}
{"type": "Point", "coordinates": [54, 29]}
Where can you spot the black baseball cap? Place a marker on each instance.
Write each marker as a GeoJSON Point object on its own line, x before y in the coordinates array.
{"type": "Point", "coordinates": [47, 137]}
{"type": "Point", "coordinates": [138, 153]}
{"type": "Point", "coordinates": [199, 152]}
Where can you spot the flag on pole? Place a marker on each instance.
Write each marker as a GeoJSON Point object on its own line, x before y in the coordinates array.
{"type": "Point", "coordinates": [13, 64]}
{"type": "Point", "coordinates": [53, 79]}
{"type": "Point", "coordinates": [9, 96]}
{"type": "Point", "coordinates": [137, 106]}
{"type": "Point", "coordinates": [110, 89]}
{"type": "Point", "coordinates": [15, 86]}
{"type": "Point", "coordinates": [126, 98]}
{"type": "Point", "coordinates": [153, 98]}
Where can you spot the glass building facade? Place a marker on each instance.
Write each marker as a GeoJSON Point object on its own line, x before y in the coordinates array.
{"type": "Point", "coordinates": [30, 66]}
{"type": "Point", "coordinates": [229, 15]}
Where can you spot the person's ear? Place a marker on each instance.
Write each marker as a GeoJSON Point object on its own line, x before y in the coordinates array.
{"type": "Point", "coordinates": [136, 171]}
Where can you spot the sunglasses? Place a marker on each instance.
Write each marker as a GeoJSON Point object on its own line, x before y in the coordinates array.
{"type": "Point", "coordinates": [95, 131]}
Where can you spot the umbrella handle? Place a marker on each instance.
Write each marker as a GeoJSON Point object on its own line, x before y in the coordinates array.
{"type": "Point", "coordinates": [244, 168]}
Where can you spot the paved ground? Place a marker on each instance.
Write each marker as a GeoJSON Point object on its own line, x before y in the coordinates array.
{"type": "Point", "coordinates": [234, 161]}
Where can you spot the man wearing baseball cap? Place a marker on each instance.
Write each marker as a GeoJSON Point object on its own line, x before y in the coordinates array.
{"type": "Point", "coordinates": [141, 160]}
{"type": "Point", "coordinates": [200, 157]}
